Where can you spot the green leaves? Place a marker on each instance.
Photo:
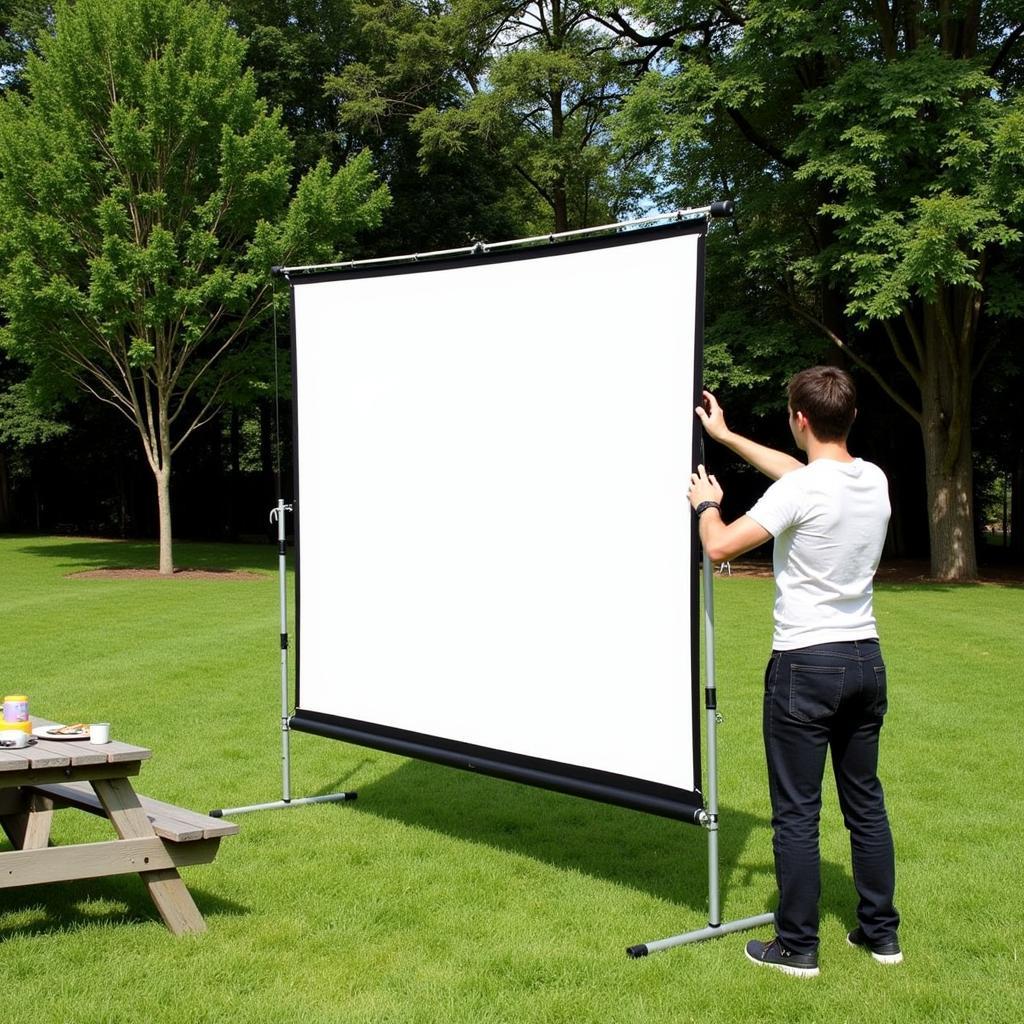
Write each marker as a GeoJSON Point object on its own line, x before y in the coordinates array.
{"type": "Point", "coordinates": [937, 243]}
{"type": "Point", "coordinates": [23, 421]}
{"type": "Point", "coordinates": [144, 194]}
{"type": "Point", "coordinates": [530, 82]}
{"type": "Point", "coordinates": [1007, 167]}
{"type": "Point", "coordinates": [141, 352]}
{"type": "Point", "coordinates": [328, 210]}
{"type": "Point", "coordinates": [907, 150]}
{"type": "Point", "coordinates": [135, 179]}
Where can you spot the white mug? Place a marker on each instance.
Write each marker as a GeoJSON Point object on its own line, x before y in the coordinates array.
{"type": "Point", "coordinates": [13, 738]}
{"type": "Point", "coordinates": [99, 732]}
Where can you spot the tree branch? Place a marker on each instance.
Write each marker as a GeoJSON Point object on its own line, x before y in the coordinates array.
{"type": "Point", "coordinates": [761, 141]}
{"type": "Point", "coordinates": [884, 17]}
{"type": "Point", "coordinates": [543, 192]}
{"type": "Point", "coordinates": [862, 363]}
{"type": "Point", "coordinates": [621, 27]}
{"type": "Point", "coordinates": [915, 336]}
{"type": "Point", "coordinates": [732, 16]}
{"type": "Point", "coordinates": [210, 408]}
{"type": "Point", "coordinates": [914, 371]}
{"type": "Point", "coordinates": [1004, 51]}
{"type": "Point", "coordinates": [967, 34]}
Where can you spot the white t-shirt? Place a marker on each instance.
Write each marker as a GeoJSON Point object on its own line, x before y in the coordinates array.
{"type": "Point", "coordinates": [828, 519]}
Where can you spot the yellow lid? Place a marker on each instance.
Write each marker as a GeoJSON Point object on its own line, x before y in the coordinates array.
{"type": "Point", "coordinates": [16, 696]}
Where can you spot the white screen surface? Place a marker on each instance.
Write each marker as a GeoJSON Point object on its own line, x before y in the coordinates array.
{"type": "Point", "coordinates": [494, 534]}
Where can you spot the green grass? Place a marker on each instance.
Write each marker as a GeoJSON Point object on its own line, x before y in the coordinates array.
{"type": "Point", "coordinates": [442, 896]}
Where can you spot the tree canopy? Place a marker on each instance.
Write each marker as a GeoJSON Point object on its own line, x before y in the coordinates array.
{"type": "Point", "coordinates": [533, 81]}
{"type": "Point", "coordinates": [144, 194]}
{"type": "Point", "coordinates": [878, 155]}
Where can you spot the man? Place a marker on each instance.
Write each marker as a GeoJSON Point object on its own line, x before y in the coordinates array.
{"type": "Point", "coordinates": [825, 686]}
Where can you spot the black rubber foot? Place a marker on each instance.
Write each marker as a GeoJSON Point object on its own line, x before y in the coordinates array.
{"type": "Point", "coordinates": [635, 952]}
{"type": "Point", "coordinates": [217, 814]}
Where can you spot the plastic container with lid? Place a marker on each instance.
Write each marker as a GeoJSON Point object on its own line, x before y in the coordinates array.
{"type": "Point", "coordinates": [15, 708]}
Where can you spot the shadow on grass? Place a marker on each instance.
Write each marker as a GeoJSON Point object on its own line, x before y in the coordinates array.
{"type": "Point", "coordinates": [665, 858]}
{"type": "Point", "coordinates": [78, 554]}
{"type": "Point", "coordinates": [945, 588]}
{"type": "Point", "coordinates": [838, 895]}
{"type": "Point", "coordinates": [66, 906]}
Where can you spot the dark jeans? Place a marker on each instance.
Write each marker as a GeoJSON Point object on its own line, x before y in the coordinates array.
{"type": "Point", "coordinates": [830, 696]}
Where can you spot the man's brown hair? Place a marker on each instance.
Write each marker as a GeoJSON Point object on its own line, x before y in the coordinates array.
{"type": "Point", "coordinates": [827, 396]}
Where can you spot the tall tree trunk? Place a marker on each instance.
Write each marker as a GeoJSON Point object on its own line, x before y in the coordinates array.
{"type": "Point", "coordinates": [946, 430]}
{"type": "Point", "coordinates": [163, 503]}
{"type": "Point", "coordinates": [950, 505]}
{"type": "Point", "coordinates": [159, 450]}
{"type": "Point", "coordinates": [559, 191]}
{"type": "Point", "coordinates": [560, 206]}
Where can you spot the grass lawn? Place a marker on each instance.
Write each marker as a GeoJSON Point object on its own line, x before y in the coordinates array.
{"type": "Point", "coordinates": [442, 896]}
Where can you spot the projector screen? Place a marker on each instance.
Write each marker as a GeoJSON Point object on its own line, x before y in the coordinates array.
{"type": "Point", "coordinates": [497, 564]}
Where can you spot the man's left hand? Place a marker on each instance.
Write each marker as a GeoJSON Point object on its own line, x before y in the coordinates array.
{"type": "Point", "coordinates": [703, 487]}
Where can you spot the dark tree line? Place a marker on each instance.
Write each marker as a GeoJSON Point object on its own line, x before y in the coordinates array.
{"type": "Point", "coordinates": [874, 153]}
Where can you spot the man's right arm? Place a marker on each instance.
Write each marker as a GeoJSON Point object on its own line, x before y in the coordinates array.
{"type": "Point", "coordinates": [769, 461]}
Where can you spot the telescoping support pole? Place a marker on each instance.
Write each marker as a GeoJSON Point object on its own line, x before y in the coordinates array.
{"type": "Point", "coordinates": [277, 515]}
{"type": "Point", "coordinates": [716, 927]}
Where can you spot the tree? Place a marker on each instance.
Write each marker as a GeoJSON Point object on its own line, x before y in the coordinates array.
{"type": "Point", "coordinates": [297, 50]}
{"type": "Point", "coordinates": [532, 81]}
{"type": "Point", "coordinates": [293, 46]}
{"type": "Point", "coordinates": [21, 22]}
{"type": "Point", "coordinates": [878, 153]}
{"type": "Point", "coordinates": [144, 195]}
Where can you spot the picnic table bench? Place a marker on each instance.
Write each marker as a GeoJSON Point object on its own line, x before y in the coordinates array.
{"type": "Point", "coordinates": [154, 838]}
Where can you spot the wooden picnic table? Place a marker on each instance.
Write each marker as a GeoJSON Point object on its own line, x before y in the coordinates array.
{"type": "Point", "coordinates": [153, 839]}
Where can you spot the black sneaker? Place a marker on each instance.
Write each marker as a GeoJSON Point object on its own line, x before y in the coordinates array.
{"type": "Point", "coordinates": [774, 954]}
{"type": "Point", "coordinates": [884, 952]}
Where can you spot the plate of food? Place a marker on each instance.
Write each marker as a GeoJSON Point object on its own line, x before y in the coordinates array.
{"type": "Point", "coordinates": [75, 731]}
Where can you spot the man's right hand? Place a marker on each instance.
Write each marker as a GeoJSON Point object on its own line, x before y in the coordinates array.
{"type": "Point", "coordinates": [711, 415]}
{"type": "Point", "coordinates": [769, 461]}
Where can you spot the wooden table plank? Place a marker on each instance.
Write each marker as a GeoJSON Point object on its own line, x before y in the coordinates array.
{"type": "Point", "coordinates": [168, 821]}
{"type": "Point", "coordinates": [44, 753]}
{"type": "Point", "coordinates": [30, 757]}
{"type": "Point", "coordinates": [73, 751]}
{"type": "Point", "coordinates": [69, 773]}
{"type": "Point", "coordinates": [97, 860]}
{"type": "Point", "coordinates": [202, 824]}
{"type": "Point", "coordinates": [167, 890]}
{"type": "Point", "coordinates": [117, 752]}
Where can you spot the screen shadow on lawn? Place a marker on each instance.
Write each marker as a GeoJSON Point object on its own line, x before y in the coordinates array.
{"type": "Point", "coordinates": [667, 859]}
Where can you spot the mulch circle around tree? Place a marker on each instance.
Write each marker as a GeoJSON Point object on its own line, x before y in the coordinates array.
{"type": "Point", "coordinates": [888, 572]}
{"type": "Point", "coordinates": [179, 574]}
